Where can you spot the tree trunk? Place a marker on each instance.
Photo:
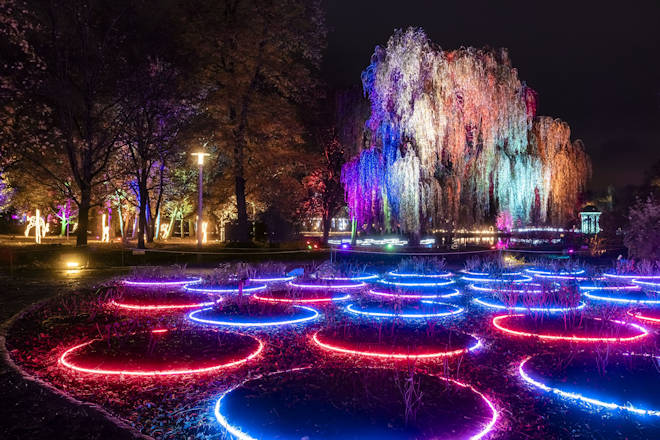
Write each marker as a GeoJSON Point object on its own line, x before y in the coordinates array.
{"type": "Point", "coordinates": [142, 222]}
{"type": "Point", "coordinates": [83, 216]}
{"type": "Point", "coordinates": [326, 220]}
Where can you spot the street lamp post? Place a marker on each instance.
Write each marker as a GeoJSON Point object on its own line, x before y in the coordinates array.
{"type": "Point", "coordinates": [200, 162]}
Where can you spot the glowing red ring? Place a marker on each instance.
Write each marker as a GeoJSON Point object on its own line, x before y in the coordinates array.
{"type": "Point", "coordinates": [297, 301]}
{"type": "Point", "coordinates": [68, 364]}
{"type": "Point", "coordinates": [156, 307]}
{"type": "Point", "coordinates": [639, 315]}
{"type": "Point", "coordinates": [397, 356]}
{"type": "Point", "coordinates": [497, 325]}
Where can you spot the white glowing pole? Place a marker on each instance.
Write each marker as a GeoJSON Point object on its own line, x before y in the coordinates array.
{"type": "Point", "coordinates": [200, 162]}
{"type": "Point", "coordinates": [105, 236]}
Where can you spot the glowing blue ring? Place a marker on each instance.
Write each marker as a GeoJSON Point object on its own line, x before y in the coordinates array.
{"type": "Point", "coordinates": [219, 290]}
{"type": "Point", "coordinates": [523, 309]}
{"type": "Point", "coordinates": [632, 277]}
{"type": "Point", "coordinates": [525, 279]}
{"type": "Point", "coordinates": [415, 295]}
{"type": "Point", "coordinates": [156, 283]}
{"type": "Point", "coordinates": [592, 287]}
{"type": "Point", "coordinates": [647, 284]}
{"type": "Point", "coordinates": [581, 398]}
{"type": "Point", "coordinates": [315, 314]}
{"type": "Point", "coordinates": [456, 311]}
{"type": "Point", "coordinates": [589, 294]}
{"type": "Point", "coordinates": [273, 279]}
{"type": "Point", "coordinates": [327, 286]}
{"type": "Point", "coordinates": [560, 273]}
{"type": "Point", "coordinates": [355, 278]}
{"type": "Point", "coordinates": [419, 275]}
{"type": "Point", "coordinates": [421, 284]}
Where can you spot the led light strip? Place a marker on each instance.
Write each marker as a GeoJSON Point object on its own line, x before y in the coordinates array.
{"type": "Point", "coordinates": [589, 294]}
{"type": "Point", "coordinates": [240, 435]}
{"type": "Point", "coordinates": [506, 289]}
{"type": "Point", "coordinates": [301, 300]}
{"type": "Point", "coordinates": [273, 279]}
{"type": "Point", "coordinates": [414, 295]}
{"type": "Point", "coordinates": [314, 315]}
{"type": "Point", "coordinates": [355, 278]}
{"type": "Point", "coordinates": [221, 290]}
{"type": "Point", "coordinates": [156, 307]}
{"type": "Point", "coordinates": [525, 279]}
{"type": "Point", "coordinates": [639, 315]}
{"type": "Point", "coordinates": [637, 282]}
{"type": "Point", "coordinates": [643, 332]}
{"type": "Point", "coordinates": [481, 301]}
{"type": "Point", "coordinates": [456, 310]}
{"type": "Point", "coordinates": [584, 399]}
{"type": "Point", "coordinates": [419, 275]}
{"type": "Point", "coordinates": [63, 360]}
{"type": "Point", "coordinates": [632, 277]}
{"type": "Point", "coordinates": [327, 286]}
{"type": "Point", "coordinates": [549, 272]}
{"type": "Point", "coordinates": [397, 356]}
{"type": "Point", "coordinates": [421, 284]}
{"type": "Point", "coordinates": [614, 288]}
{"type": "Point", "coordinates": [161, 283]}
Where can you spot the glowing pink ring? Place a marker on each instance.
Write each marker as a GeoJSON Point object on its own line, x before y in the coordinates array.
{"type": "Point", "coordinates": [68, 364]}
{"type": "Point", "coordinates": [240, 435]}
{"type": "Point", "coordinates": [157, 307]}
{"type": "Point", "coordinates": [161, 283]}
{"type": "Point", "coordinates": [327, 286]}
{"type": "Point", "coordinates": [497, 319]}
{"type": "Point", "coordinates": [525, 279]}
{"type": "Point", "coordinates": [639, 315]}
{"type": "Point", "coordinates": [297, 301]}
{"type": "Point", "coordinates": [245, 289]}
{"type": "Point", "coordinates": [646, 284]}
{"type": "Point", "coordinates": [414, 295]}
{"type": "Point", "coordinates": [396, 356]}
{"type": "Point", "coordinates": [364, 277]}
{"type": "Point", "coordinates": [419, 284]}
{"type": "Point", "coordinates": [632, 276]}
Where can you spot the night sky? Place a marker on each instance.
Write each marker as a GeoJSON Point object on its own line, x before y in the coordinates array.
{"type": "Point", "coordinates": [595, 65]}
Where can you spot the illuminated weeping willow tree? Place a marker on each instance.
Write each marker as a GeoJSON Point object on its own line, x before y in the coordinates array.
{"type": "Point", "coordinates": [455, 141]}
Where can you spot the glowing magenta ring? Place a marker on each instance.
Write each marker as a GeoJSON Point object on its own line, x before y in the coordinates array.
{"type": "Point", "coordinates": [240, 435]}
{"type": "Point", "coordinates": [327, 286]}
{"type": "Point", "coordinates": [355, 278]}
{"type": "Point", "coordinates": [220, 290]}
{"type": "Point", "coordinates": [156, 307]}
{"type": "Point", "coordinates": [581, 398]}
{"type": "Point", "coordinates": [639, 315]}
{"type": "Point", "coordinates": [523, 309]}
{"type": "Point", "coordinates": [314, 315]}
{"type": "Point", "coordinates": [397, 356]}
{"type": "Point", "coordinates": [631, 276]}
{"type": "Point", "coordinates": [272, 279]}
{"type": "Point", "coordinates": [414, 295]}
{"type": "Point", "coordinates": [161, 283]}
{"type": "Point", "coordinates": [420, 284]}
{"type": "Point", "coordinates": [643, 332]}
{"type": "Point", "coordinates": [647, 284]}
{"type": "Point", "coordinates": [394, 273]}
{"type": "Point", "coordinates": [300, 300]}
{"type": "Point", "coordinates": [457, 310]}
{"type": "Point", "coordinates": [590, 294]}
{"type": "Point", "coordinates": [68, 364]}
{"type": "Point", "coordinates": [525, 279]}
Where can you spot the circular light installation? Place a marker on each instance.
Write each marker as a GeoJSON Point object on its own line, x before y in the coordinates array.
{"type": "Point", "coordinates": [163, 283]}
{"type": "Point", "coordinates": [159, 307]}
{"type": "Point", "coordinates": [320, 286]}
{"type": "Point", "coordinates": [241, 434]}
{"type": "Point", "coordinates": [580, 397]}
{"type": "Point", "coordinates": [629, 277]}
{"type": "Point", "coordinates": [64, 360]}
{"type": "Point", "coordinates": [523, 309]}
{"type": "Point", "coordinates": [647, 284]}
{"type": "Point", "coordinates": [620, 298]}
{"type": "Point", "coordinates": [395, 355]}
{"type": "Point", "coordinates": [309, 314]}
{"type": "Point", "coordinates": [642, 332]}
{"type": "Point", "coordinates": [508, 289]}
{"type": "Point", "coordinates": [453, 310]}
{"type": "Point", "coordinates": [225, 289]}
{"type": "Point", "coordinates": [649, 315]}
{"type": "Point", "coordinates": [415, 294]}
{"type": "Point", "coordinates": [324, 299]}
{"type": "Point", "coordinates": [273, 279]}
{"type": "Point", "coordinates": [613, 288]}
{"type": "Point", "coordinates": [395, 273]}
{"type": "Point", "coordinates": [417, 283]}
{"type": "Point", "coordinates": [550, 272]}
{"type": "Point", "coordinates": [520, 279]}
{"type": "Point", "coordinates": [363, 277]}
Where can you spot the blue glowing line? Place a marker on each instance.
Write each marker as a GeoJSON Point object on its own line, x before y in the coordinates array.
{"type": "Point", "coordinates": [631, 276]}
{"type": "Point", "coordinates": [615, 288]}
{"type": "Point", "coordinates": [314, 315]}
{"type": "Point", "coordinates": [560, 273]}
{"type": "Point", "coordinates": [482, 302]}
{"type": "Point", "coordinates": [589, 294]}
{"type": "Point", "coordinates": [415, 295]}
{"type": "Point", "coordinates": [582, 398]}
{"type": "Point", "coordinates": [355, 278]}
{"type": "Point", "coordinates": [637, 282]}
{"type": "Point", "coordinates": [273, 279]}
{"type": "Point", "coordinates": [524, 279]}
{"type": "Point", "coordinates": [420, 275]}
{"type": "Point", "coordinates": [221, 290]}
{"type": "Point", "coordinates": [456, 311]}
{"type": "Point", "coordinates": [418, 284]}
